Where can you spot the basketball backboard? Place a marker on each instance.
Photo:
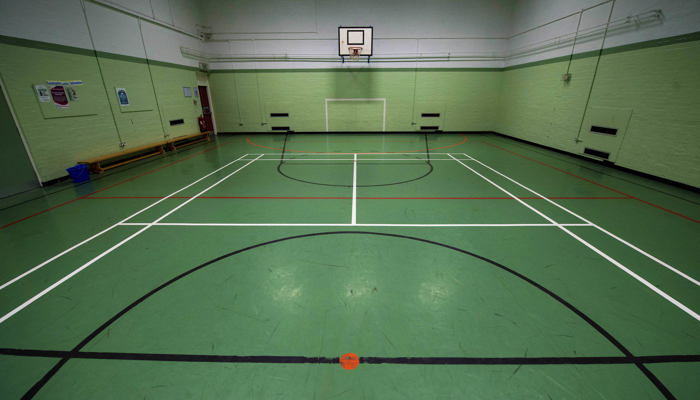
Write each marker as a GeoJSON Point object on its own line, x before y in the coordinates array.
{"type": "Point", "coordinates": [354, 41]}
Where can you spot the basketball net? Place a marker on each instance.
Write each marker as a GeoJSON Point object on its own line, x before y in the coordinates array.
{"type": "Point", "coordinates": [355, 53]}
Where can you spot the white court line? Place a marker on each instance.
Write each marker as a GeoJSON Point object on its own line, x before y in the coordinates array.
{"type": "Point", "coordinates": [98, 257]}
{"type": "Point", "coordinates": [22, 275]}
{"type": "Point", "coordinates": [361, 159]}
{"type": "Point", "coordinates": [508, 193]}
{"type": "Point", "coordinates": [70, 275]}
{"type": "Point", "coordinates": [630, 245]}
{"type": "Point", "coordinates": [353, 219]}
{"type": "Point", "coordinates": [18, 277]}
{"type": "Point", "coordinates": [202, 192]}
{"type": "Point", "coordinates": [317, 154]}
{"type": "Point", "coordinates": [223, 224]}
{"type": "Point", "coordinates": [646, 283]}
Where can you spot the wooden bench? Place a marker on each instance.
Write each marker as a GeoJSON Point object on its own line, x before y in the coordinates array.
{"type": "Point", "coordinates": [108, 161]}
{"type": "Point", "coordinates": [95, 164]}
{"type": "Point", "coordinates": [182, 141]}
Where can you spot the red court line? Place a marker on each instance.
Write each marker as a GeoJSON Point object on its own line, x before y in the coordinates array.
{"type": "Point", "coordinates": [111, 186]}
{"type": "Point", "coordinates": [349, 198]}
{"type": "Point", "coordinates": [40, 212]}
{"type": "Point", "coordinates": [364, 139]}
{"type": "Point", "coordinates": [595, 183]}
{"type": "Point", "coordinates": [325, 152]}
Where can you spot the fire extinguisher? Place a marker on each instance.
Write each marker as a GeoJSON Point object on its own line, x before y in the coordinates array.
{"type": "Point", "coordinates": [202, 124]}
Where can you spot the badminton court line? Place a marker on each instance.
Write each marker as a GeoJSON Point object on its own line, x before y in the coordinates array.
{"type": "Point", "coordinates": [234, 224]}
{"type": "Point", "coordinates": [646, 283]}
{"type": "Point", "coordinates": [98, 257]}
{"type": "Point", "coordinates": [116, 184]}
{"type": "Point", "coordinates": [18, 277]}
{"type": "Point", "coordinates": [350, 198]}
{"type": "Point", "coordinates": [353, 218]}
{"type": "Point", "coordinates": [361, 159]}
{"type": "Point", "coordinates": [626, 243]}
{"type": "Point", "coordinates": [595, 183]}
{"type": "Point", "coordinates": [317, 154]}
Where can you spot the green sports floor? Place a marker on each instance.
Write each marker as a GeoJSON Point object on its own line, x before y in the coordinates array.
{"type": "Point", "coordinates": [454, 266]}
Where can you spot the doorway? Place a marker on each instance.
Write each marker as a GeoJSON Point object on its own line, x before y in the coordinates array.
{"type": "Point", "coordinates": [206, 107]}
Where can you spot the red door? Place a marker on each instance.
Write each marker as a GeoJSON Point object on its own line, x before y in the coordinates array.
{"type": "Point", "coordinates": [206, 108]}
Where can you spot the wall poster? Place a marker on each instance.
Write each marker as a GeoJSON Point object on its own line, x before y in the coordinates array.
{"type": "Point", "coordinates": [59, 96]}
{"type": "Point", "coordinates": [123, 98]}
{"type": "Point", "coordinates": [72, 93]}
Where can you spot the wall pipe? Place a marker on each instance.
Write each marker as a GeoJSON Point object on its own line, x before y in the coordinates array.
{"type": "Point", "coordinates": [560, 18]}
{"type": "Point", "coordinates": [138, 15]}
{"type": "Point", "coordinates": [559, 41]}
{"type": "Point", "coordinates": [588, 33]}
{"type": "Point", "coordinates": [406, 38]}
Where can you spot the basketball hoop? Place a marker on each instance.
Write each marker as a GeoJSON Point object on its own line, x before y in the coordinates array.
{"type": "Point", "coordinates": [354, 42]}
{"type": "Point", "coordinates": [355, 52]}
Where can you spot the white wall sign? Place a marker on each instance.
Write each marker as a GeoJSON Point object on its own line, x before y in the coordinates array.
{"type": "Point", "coordinates": [72, 94]}
{"type": "Point", "coordinates": [43, 93]}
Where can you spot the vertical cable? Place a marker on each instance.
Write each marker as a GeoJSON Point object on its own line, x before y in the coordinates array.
{"type": "Point", "coordinates": [595, 73]}
{"type": "Point", "coordinates": [415, 81]}
{"type": "Point", "coordinates": [257, 85]}
{"type": "Point", "coordinates": [99, 69]}
{"type": "Point", "coordinates": [573, 46]}
{"type": "Point", "coordinates": [237, 97]}
{"type": "Point", "coordinates": [153, 85]}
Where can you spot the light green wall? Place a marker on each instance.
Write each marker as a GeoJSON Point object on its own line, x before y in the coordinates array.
{"type": "Point", "coordinates": [662, 87]}
{"type": "Point", "coordinates": [57, 139]}
{"type": "Point", "coordinates": [355, 116]}
{"type": "Point", "coordinates": [16, 172]}
{"type": "Point", "coordinates": [139, 122]}
{"type": "Point", "coordinates": [467, 98]}
{"type": "Point", "coordinates": [535, 105]}
{"type": "Point", "coordinates": [658, 81]}
{"type": "Point", "coordinates": [57, 143]}
{"type": "Point", "coordinates": [169, 82]}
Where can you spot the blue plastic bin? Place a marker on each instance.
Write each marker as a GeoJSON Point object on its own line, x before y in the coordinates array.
{"type": "Point", "coordinates": [79, 173]}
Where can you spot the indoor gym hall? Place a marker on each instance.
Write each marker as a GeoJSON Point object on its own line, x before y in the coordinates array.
{"type": "Point", "coordinates": [381, 240]}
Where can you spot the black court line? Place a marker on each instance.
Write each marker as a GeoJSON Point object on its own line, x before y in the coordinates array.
{"type": "Point", "coordinates": [628, 357]}
{"type": "Point", "coordinates": [427, 151]}
{"type": "Point", "coordinates": [211, 358]}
